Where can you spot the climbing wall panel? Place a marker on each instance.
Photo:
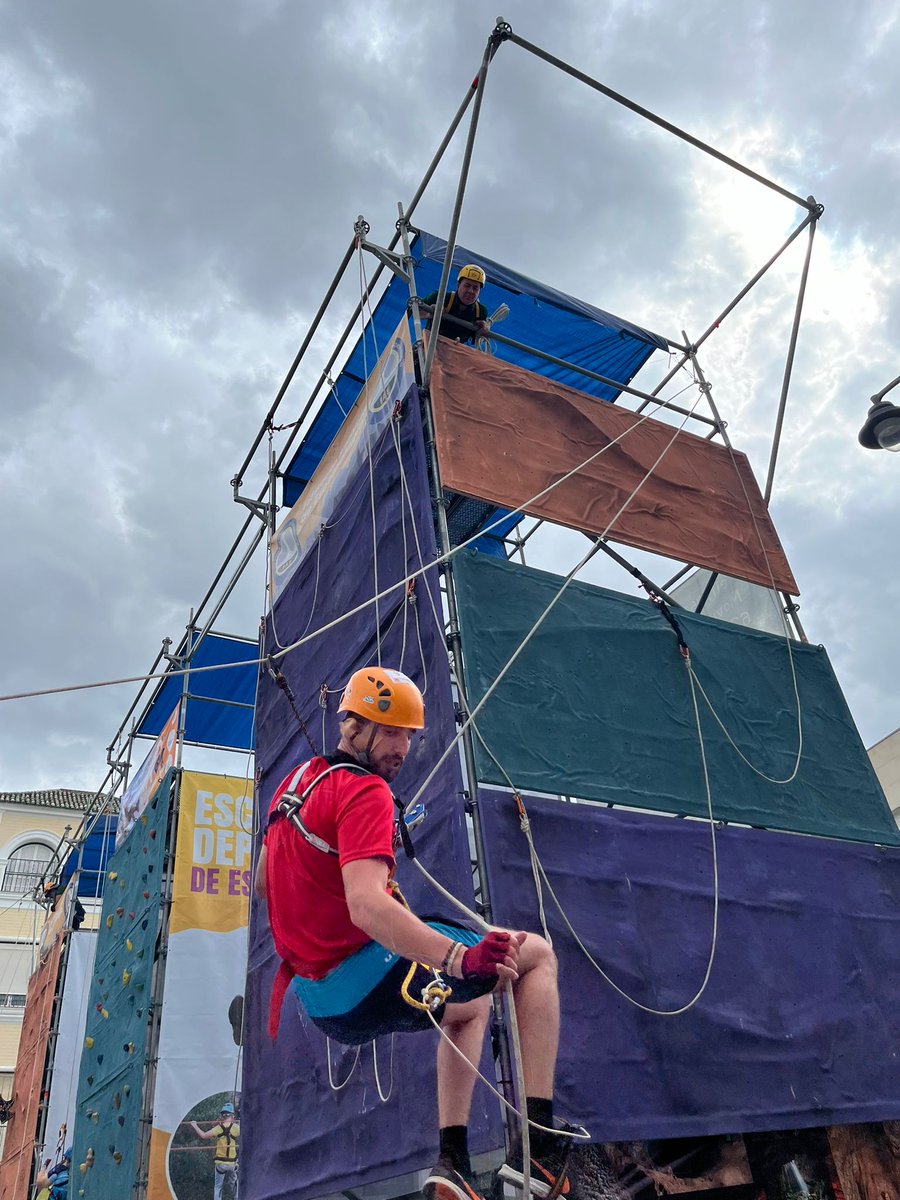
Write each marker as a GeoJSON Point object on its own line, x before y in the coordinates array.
{"type": "Point", "coordinates": [114, 1058]}
{"type": "Point", "coordinates": [301, 1139]}
{"type": "Point", "coordinates": [599, 706]}
{"type": "Point", "coordinates": [798, 1024]}
{"type": "Point", "coordinates": [508, 436]}
{"type": "Point", "coordinates": [19, 1146]}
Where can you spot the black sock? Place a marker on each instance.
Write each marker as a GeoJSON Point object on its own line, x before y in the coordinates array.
{"type": "Point", "coordinates": [454, 1147]}
{"type": "Point", "coordinates": [540, 1111]}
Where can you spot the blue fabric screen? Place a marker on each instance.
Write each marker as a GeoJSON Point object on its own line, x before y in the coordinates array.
{"type": "Point", "coordinates": [539, 316]}
{"type": "Point", "coordinates": [98, 848]}
{"type": "Point", "coordinates": [227, 724]}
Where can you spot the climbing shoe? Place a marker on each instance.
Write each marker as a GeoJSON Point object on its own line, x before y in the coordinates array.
{"type": "Point", "coordinates": [549, 1168]}
{"type": "Point", "coordinates": [444, 1182]}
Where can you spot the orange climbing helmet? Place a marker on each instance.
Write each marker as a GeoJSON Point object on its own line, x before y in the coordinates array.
{"type": "Point", "coordinates": [384, 696]}
{"type": "Point", "coordinates": [471, 271]}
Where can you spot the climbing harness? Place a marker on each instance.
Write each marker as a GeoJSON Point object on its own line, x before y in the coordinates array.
{"type": "Point", "coordinates": [291, 804]}
{"type": "Point", "coordinates": [436, 992]}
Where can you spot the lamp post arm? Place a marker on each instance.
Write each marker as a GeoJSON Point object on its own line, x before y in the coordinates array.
{"type": "Point", "coordinates": [884, 391]}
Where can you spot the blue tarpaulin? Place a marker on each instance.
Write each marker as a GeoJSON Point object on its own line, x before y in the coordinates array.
{"type": "Point", "coordinates": [99, 845]}
{"type": "Point", "coordinates": [220, 703]}
{"type": "Point", "coordinates": [539, 316]}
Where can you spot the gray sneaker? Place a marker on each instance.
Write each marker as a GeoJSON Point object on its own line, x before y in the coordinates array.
{"type": "Point", "coordinates": [444, 1182]}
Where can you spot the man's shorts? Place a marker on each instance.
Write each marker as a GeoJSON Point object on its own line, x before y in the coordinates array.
{"type": "Point", "coordinates": [360, 999]}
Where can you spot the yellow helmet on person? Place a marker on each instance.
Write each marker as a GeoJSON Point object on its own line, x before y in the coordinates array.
{"type": "Point", "coordinates": [384, 696]}
{"type": "Point", "coordinates": [471, 271]}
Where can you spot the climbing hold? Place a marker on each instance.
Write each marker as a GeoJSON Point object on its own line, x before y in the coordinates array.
{"type": "Point", "coordinates": [144, 923]}
{"type": "Point", "coordinates": [89, 1042]}
{"type": "Point", "coordinates": [120, 911]}
{"type": "Point", "coordinates": [127, 1089]}
{"type": "Point", "coordinates": [121, 1121]}
{"type": "Point", "coordinates": [99, 1006]}
{"type": "Point", "coordinates": [117, 1157]}
{"type": "Point", "coordinates": [152, 835]}
{"type": "Point", "coordinates": [129, 944]}
{"type": "Point", "coordinates": [117, 1101]}
{"type": "Point", "coordinates": [128, 1047]}
{"type": "Point", "coordinates": [109, 921]}
{"type": "Point", "coordinates": [90, 1079]}
{"type": "Point", "coordinates": [100, 1058]}
{"type": "Point", "coordinates": [126, 976]}
{"type": "Point", "coordinates": [143, 818]}
{"type": "Point", "coordinates": [104, 1013]}
{"type": "Point", "coordinates": [146, 895]}
{"type": "Point", "coordinates": [95, 1117]}
{"type": "Point", "coordinates": [113, 875]}
{"type": "Point", "coordinates": [131, 916]}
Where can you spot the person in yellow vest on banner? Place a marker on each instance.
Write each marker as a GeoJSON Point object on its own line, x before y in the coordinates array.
{"type": "Point", "coordinates": [227, 1134]}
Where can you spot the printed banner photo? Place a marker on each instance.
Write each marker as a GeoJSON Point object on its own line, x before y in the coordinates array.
{"type": "Point", "coordinates": [148, 776]}
{"type": "Point", "coordinates": [195, 1141]}
{"type": "Point", "coordinates": [387, 382]}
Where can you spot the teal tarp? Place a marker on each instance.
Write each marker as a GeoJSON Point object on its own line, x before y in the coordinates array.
{"type": "Point", "coordinates": [110, 1079]}
{"type": "Point", "coordinates": [598, 706]}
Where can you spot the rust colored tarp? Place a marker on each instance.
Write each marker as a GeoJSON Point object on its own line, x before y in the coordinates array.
{"type": "Point", "coordinates": [505, 435]}
{"type": "Point", "coordinates": [18, 1150]}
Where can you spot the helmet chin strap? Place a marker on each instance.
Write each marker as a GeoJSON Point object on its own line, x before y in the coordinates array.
{"type": "Point", "coordinates": [364, 755]}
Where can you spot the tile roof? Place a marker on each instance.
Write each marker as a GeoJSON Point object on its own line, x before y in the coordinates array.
{"type": "Point", "coordinates": [64, 798]}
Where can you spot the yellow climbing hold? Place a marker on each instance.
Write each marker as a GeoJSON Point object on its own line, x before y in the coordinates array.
{"type": "Point", "coordinates": [129, 944]}
{"type": "Point", "coordinates": [89, 1043]}
{"type": "Point", "coordinates": [113, 875]}
{"type": "Point", "coordinates": [126, 976]}
{"type": "Point", "coordinates": [109, 922]}
{"type": "Point", "coordinates": [104, 1014]}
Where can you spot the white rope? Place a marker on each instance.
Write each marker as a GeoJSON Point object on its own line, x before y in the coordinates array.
{"type": "Point", "coordinates": [381, 1096]}
{"type": "Point", "coordinates": [337, 1087]}
{"type": "Point", "coordinates": [576, 1135]}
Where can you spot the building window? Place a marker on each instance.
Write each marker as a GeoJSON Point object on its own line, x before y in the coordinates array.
{"type": "Point", "coordinates": [25, 867]}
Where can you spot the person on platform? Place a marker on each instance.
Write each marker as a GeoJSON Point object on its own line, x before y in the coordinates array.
{"type": "Point", "coordinates": [347, 945]}
{"type": "Point", "coordinates": [464, 317]}
{"type": "Point", "coordinates": [53, 1184]}
{"type": "Point", "coordinates": [227, 1132]}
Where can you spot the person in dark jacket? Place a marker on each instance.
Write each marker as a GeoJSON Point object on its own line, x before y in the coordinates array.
{"type": "Point", "coordinates": [464, 317]}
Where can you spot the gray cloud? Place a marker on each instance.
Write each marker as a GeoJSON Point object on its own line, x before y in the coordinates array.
{"type": "Point", "coordinates": [179, 183]}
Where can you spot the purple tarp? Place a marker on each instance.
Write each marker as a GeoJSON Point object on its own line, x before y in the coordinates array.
{"type": "Point", "coordinates": [800, 1023]}
{"type": "Point", "coordinates": [299, 1138]}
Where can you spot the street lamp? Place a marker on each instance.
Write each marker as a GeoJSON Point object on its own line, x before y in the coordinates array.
{"type": "Point", "coordinates": [882, 428]}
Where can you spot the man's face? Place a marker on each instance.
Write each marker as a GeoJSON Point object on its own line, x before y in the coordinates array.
{"type": "Point", "coordinates": [388, 750]}
{"type": "Point", "coordinates": [226, 1118]}
{"type": "Point", "coordinates": [467, 290]}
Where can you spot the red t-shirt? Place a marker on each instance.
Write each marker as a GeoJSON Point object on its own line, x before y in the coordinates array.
{"type": "Point", "coordinates": [304, 887]}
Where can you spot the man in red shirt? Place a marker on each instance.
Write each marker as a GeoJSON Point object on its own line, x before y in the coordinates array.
{"type": "Point", "coordinates": [346, 944]}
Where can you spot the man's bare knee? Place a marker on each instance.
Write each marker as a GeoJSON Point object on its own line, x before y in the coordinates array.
{"type": "Point", "coordinates": [536, 953]}
{"type": "Point", "coordinates": [472, 1010]}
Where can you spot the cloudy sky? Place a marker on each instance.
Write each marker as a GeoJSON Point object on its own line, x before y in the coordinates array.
{"type": "Point", "coordinates": [179, 181]}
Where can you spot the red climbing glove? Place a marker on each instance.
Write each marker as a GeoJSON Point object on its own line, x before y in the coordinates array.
{"type": "Point", "coordinates": [483, 958]}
